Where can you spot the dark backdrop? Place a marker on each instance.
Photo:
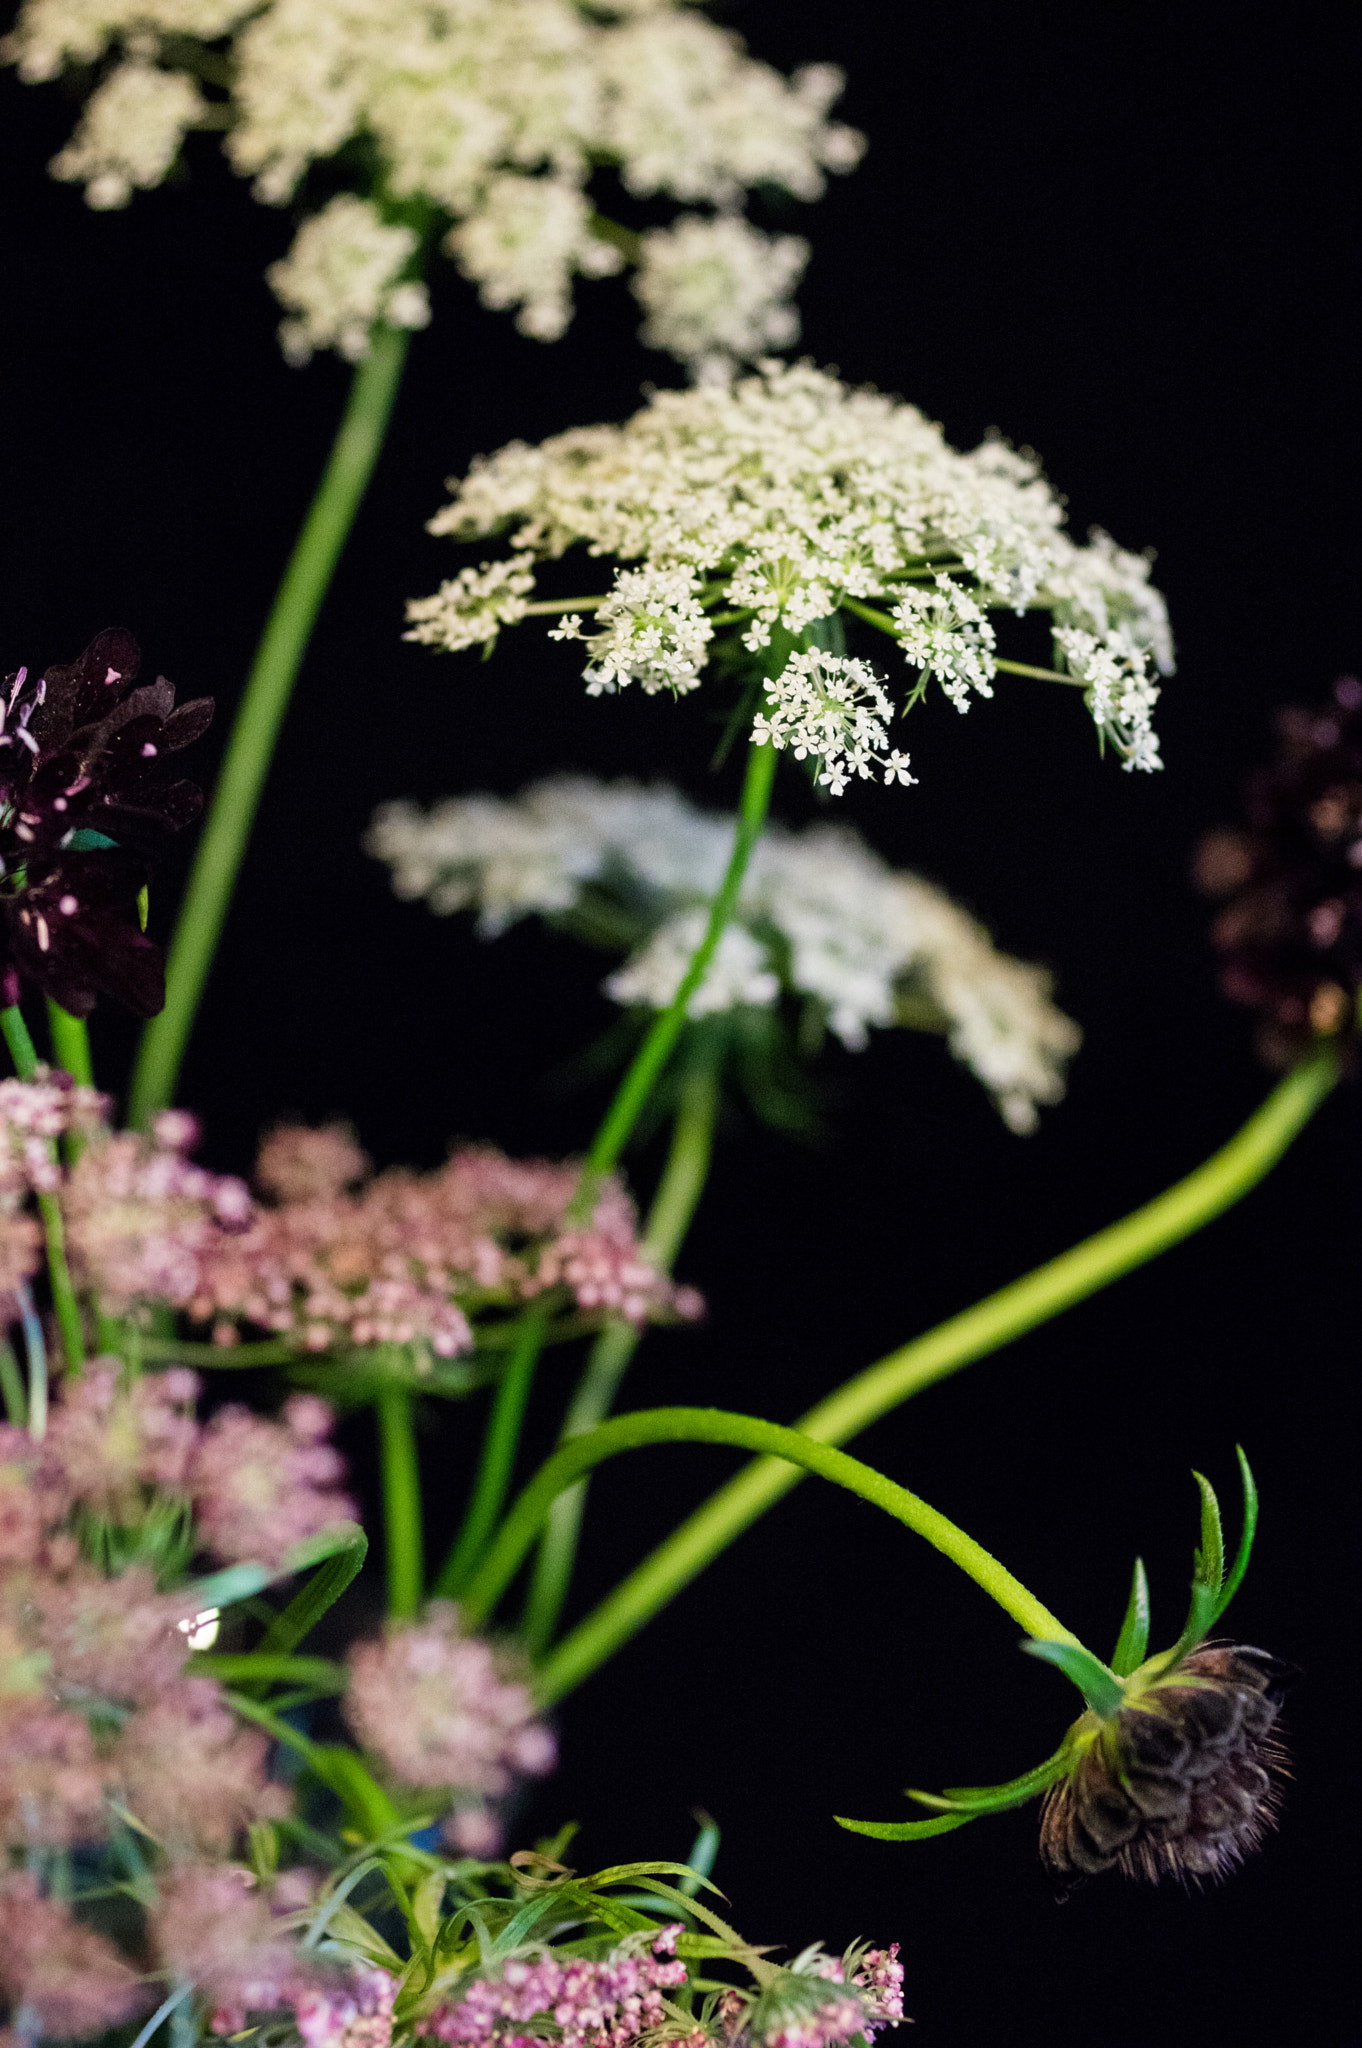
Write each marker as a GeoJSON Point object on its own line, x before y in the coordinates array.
{"type": "Point", "coordinates": [1125, 236]}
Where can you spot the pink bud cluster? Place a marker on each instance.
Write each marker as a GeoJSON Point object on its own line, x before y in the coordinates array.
{"type": "Point", "coordinates": [605, 2004]}
{"type": "Point", "coordinates": [255, 1488]}
{"type": "Point", "coordinates": [60, 1975]}
{"type": "Point", "coordinates": [406, 1257]}
{"type": "Point", "coordinates": [444, 1711]}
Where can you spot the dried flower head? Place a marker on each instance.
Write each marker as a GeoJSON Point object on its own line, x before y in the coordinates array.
{"type": "Point", "coordinates": [1181, 1782]}
{"type": "Point", "coordinates": [776, 502]}
{"type": "Point", "coordinates": [1290, 935]}
{"type": "Point", "coordinates": [821, 921]}
{"type": "Point", "coordinates": [84, 809]}
{"type": "Point", "coordinates": [493, 116]}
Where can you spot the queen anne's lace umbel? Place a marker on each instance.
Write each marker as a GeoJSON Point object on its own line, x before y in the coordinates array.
{"type": "Point", "coordinates": [493, 113]}
{"type": "Point", "coordinates": [779, 500]}
{"type": "Point", "coordinates": [820, 918]}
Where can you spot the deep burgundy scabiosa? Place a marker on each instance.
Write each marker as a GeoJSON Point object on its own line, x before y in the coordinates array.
{"type": "Point", "coordinates": [85, 806]}
{"type": "Point", "coordinates": [1182, 1782]}
{"type": "Point", "coordinates": [1290, 934]}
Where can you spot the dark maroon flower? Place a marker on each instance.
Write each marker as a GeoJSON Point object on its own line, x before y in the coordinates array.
{"type": "Point", "coordinates": [1181, 1782]}
{"type": "Point", "coordinates": [1290, 934]}
{"type": "Point", "coordinates": [85, 807]}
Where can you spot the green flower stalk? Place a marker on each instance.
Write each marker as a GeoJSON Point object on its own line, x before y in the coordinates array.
{"type": "Point", "coordinates": [1173, 1769]}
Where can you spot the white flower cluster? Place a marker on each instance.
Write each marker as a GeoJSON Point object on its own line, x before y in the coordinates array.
{"type": "Point", "coordinates": [789, 494]}
{"type": "Point", "coordinates": [471, 609]}
{"type": "Point", "coordinates": [820, 918]}
{"type": "Point", "coordinates": [494, 112]}
{"type": "Point", "coordinates": [342, 275]}
{"type": "Point", "coordinates": [654, 631]}
{"type": "Point", "coordinates": [717, 292]}
{"type": "Point", "coordinates": [836, 711]}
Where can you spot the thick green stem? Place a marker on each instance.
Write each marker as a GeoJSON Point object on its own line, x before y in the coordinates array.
{"type": "Point", "coordinates": [70, 1044]}
{"type": "Point", "coordinates": [678, 1191]}
{"type": "Point", "coordinates": [498, 1456]}
{"type": "Point", "coordinates": [746, 1432]}
{"type": "Point", "coordinates": [259, 716]}
{"type": "Point", "coordinates": [1072, 1277]}
{"type": "Point", "coordinates": [667, 1026]}
{"type": "Point", "coordinates": [401, 1503]}
{"type": "Point", "coordinates": [65, 1306]}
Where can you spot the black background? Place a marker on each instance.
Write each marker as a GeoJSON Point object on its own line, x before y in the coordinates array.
{"type": "Point", "coordinates": [1126, 237]}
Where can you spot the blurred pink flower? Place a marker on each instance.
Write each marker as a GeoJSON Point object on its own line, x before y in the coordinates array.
{"type": "Point", "coordinates": [296, 1164]}
{"type": "Point", "coordinates": [191, 1773]}
{"type": "Point", "coordinates": [110, 1438]}
{"type": "Point", "coordinates": [212, 1925]}
{"type": "Point", "coordinates": [443, 1711]}
{"type": "Point", "coordinates": [65, 1974]}
{"type": "Point", "coordinates": [140, 1217]}
{"type": "Point", "coordinates": [51, 1781]}
{"type": "Point", "coordinates": [357, 2013]}
{"type": "Point", "coordinates": [604, 2004]}
{"type": "Point", "coordinates": [261, 1487]}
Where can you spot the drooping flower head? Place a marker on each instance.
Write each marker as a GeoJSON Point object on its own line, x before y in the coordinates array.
{"type": "Point", "coordinates": [1174, 1769]}
{"type": "Point", "coordinates": [1290, 934]}
{"type": "Point", "coordinates": [821, 922]}
{"type": "Point", "coordinates": [84, 809]}
{"type": "Point", "coordinates": [486, 121]}
{"type": "Point", "coordinates": [771, 505]}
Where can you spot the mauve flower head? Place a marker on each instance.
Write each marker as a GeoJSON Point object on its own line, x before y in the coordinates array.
{"type": "Point", "coordinates": [261, 1487]}
{"type": "Point", "coordinates": [1290, 934]}
{"type": "Point", "coordinates": [820, 2001]}
{"type": "Point", "coordinates": [443, 1710]}
{"type": "Point", "coordinates": [298, 1164]}
{"type": "Point", "coordinates": [107, 1638]}
{"type": "Point", "coordinates": [112, 1441]}
{"type": "Point", "coordinates": [356, 2012]}
{"type": "Point", "coordinates": [84, 809]}
{"type": "Point", "coordinates": [141, 1217]}
{"type": "Point", "coordinates": [51, 1781]}
{"type": "Point", "coordinates": [1181, 1782]}
{"type": "Point", "coordinates": [604, 2004]}
{"type": "Point", "coordinates": [190, 1772]}
{"type": "Point", "coordinates": [212, 1925]}
{"type": "Point", "coordinates": [56, 1972]}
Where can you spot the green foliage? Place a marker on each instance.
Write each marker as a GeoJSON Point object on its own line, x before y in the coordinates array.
{"type": "Point", "coordinates": [1133, 1640]}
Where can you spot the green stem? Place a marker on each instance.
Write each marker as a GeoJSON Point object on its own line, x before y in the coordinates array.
{"type": "Point", "coordinates": [678, 1191]}
{"type": "Point", "coordinates": [70, 1044]}
{"type": "Point", "coordinates": [67, 1309]}
{"type": "Point", "coordinates": [1172, 1216]}
{"type": "Point", "coordinates": [498, 1457]}
{"type": "Point", "coordinates": [259, 715]}
{"type": "Point", "coordinates": [401, 1502]}
{"type": "Point", "coordinates": [749, 1433]}
{"type": "Point", "coordinates": [12, 1387]}
{"type": "Point", "coordinates": [667, 1026]}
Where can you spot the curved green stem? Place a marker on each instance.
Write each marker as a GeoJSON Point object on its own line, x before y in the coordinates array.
{"type": "Point", "coordinates": [65, 1306]}
{"type": "Point", "coordinates": [678, 1192]}
{"type": "Point", "coordinates": [498, 1456]}
{"type": "Point", "coordinates": [1072, 1277]}
{"type": "Point", "coordinates": [750, 1433]}
{"type": "Point", "coordinates": [401, 1502]}
{"type": "Point", "coordinates": [259, 716]}
{"type": "Point", "coordinates": [667, 1026]}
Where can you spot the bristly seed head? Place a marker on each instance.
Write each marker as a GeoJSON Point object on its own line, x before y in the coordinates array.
{"type": "Point", "coordinates": [1183, 1781]}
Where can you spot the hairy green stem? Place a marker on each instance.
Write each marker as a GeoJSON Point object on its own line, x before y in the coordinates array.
{"type": "Point", "coordinates": [498, 1456]}
{"type": "Point", "coordinates": [1172, 1216]}
{"type": "Point", "coordinates": [678, 1192]}
{"type": "Point", "coordinates": [749, 1433]}
{"type": "Point", "coordinates": [667, 1026]}
{"type": "Point", "coordinates": [259, 716]}
{"type": "Point", "coordinates": [65, 1306]}
{"type": "Point", "coordinates": [401, 1503]}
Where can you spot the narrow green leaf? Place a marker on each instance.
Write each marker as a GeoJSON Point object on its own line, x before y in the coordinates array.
{"type": "Point", "coordinates": [238, 1582]}
{"type": "Point", "coordinates": [704, 1851]}
{"type": "Point", "coordinates": [1245, 1550]}
{"type": "Point", "coordinates": [905, 1830]}
{"type": "Point", "coordinates": [225, 1588]}
{"type": "Point", "coordinates": [997, 1798]}
{"type": "Point", "coordinates": [1210, 1558]}
{"type": "Point", "coordinates": [1201, 1615]}
{"type": "Point", "coordinates": [1133, 1642]}
{"type": "Point", "coordinates": [317, 1673]}
{"type": "Point", "coordinates": [311, 1601]}
{"type": "Point", "coordinates": [1100, 1688]}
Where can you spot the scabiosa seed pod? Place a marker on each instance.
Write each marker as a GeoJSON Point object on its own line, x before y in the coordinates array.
{"type": "Point", "coordinates": [1182, 1782]}
{"type": "Point", "coordinates": [1290, 934]}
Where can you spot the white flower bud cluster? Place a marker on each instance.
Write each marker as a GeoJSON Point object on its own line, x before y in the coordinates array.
{"type": "Point", "coordinates": [835, 710]}
{"type": "Point", "coordinates": [342, 275]}
{"type": "Point", "coordinates": [788, 494]}
{"type": "Point", "coordinates": [820, 919]}
{"type": "Point", "coordinates": [494, 112]}
{"type": "Point", "coordinates": [1120, 695]}
{"type": "Point", "coordinates": [654, 631]}
{"type": "Point", "coordinates": [717, 292]}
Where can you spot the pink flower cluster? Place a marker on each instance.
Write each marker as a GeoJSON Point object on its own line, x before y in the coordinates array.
{"type": "Point", "coordinates": [141, 1218]}
{"type": "Point", "coordinates": [406, 1257]}
{"type": "Point", "coordinates": [114, 1444]}
{"type": "Point", "coordinates": [443, 1711]}
{"type": "Point", "coordinates": [354, 2014]}
{"type": "Point", "coordinates": [603, 2004]}
{"type": "Point", "coordinates": [62, 1975]}
{"type": "Point", "coordinates": [871, 2000]}
{"type": "Point", "coordinates": [33, 1115]}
